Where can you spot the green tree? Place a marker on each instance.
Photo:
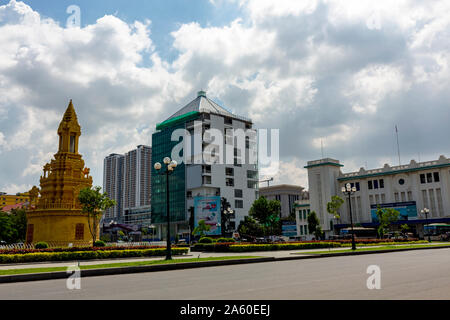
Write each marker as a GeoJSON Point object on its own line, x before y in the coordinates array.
{"type": "Point", "coordinates": [13, 226]}
{"type": "Point", "coordinates": [94, 203]}
{"type": "Point", "coordinates": [267, 213]}
{"type": "Point", "coordinates": [201, 228]}
{"type": "Point", "coordinates": [334, 205]}
{"type": "Point", "coordinates": [250, 228]}
{"type": "Point", "coordinates": [385, 218]}
{"type": "Point", "coordinates": [6, 228]}
{"type": "Point", "coordinates": [19, 222]}
{"type": "Point", "coordinates": [314, 225]}
{"type": "Point", "coordinates": [404, 228]}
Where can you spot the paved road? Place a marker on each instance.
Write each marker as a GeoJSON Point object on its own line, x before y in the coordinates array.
{"type": "Point", "coordinates": [423, 274]}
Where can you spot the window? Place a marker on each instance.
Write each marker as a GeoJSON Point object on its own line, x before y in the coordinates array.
{"type": "Point", "coordinates": [238, 204]}
{"type": "Point", "coordinates": [238, 193]}
{"type": "Point", "coordinates": [436, 176]}
{"type": "Point", "coordinates": [370, 184]}
{"type": "Point", "coordinates": [72, 144]}
{"type": "Point", "coordinates": [79, 231]}
{"type": "Point", "coordinates": [252, 174]}
{"type": "Point", "coordinates": [228, 121]}
{"type": "Point", "coordinates": [375, 184]}
{"type": "Point", "coordinates": [429, 177]}
{"type": "Point", "coordinates": [206, 180]}
{"type": "Point", "coordinates": [278, 197]}
{"type": "Point", "coordinates": [189, 194]}
{"type": "Point", "coordinates": [30, 233]}
{"type": "Point", "coordinates": [229, 182]}
{"type": "Point", "coordinates": [357, 186]}
{"type": "Point", "coordinates": [206, 169]}
{"type": "Point", "coordinates": [422, 178]}
{"type": "Point", "coordinates": [229, 171]}
{"type": "Point", "coordinates": [252, 184]}
{"type": "Point", "coordinates": [401, 182]}
{"type": "Point", "coordinates": [381, 183]}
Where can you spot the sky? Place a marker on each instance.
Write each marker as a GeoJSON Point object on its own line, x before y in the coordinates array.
{"type": "Point", "coordinates": [335, 77]}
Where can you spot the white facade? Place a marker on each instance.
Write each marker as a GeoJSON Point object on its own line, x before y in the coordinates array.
{"type": "Point", "coordinates": [302, 209]}
{"type": "Point", "coordinates": [137, 181]}
{"type": "Point", "coordinates": [127, 180]}
{"type": "Point", "coordinates": [113, 167]}
{"type": "Point", "coordinates": [237, 181]}
{"type": "Point", "coordinates": [425, 185]}
{"type": "Point", "coordinates": [322, 181]}
{"type": "Point", "coordinates": [286, 194]}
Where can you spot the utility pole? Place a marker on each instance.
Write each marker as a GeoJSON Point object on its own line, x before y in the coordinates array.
{"type": "Point", "coordinates": [268, 181]}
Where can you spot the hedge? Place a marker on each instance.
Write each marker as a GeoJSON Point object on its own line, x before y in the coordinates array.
{"type": "Point", "coordinates": [73, 249]}
{"type": "Point", "coordinates": [233, 247]}
{"type": "Point", "coordinates": [86, 255]}
{"type": "Point", "coordinates": [213, 247]}
{"type": "Point", "coordinates": [282, 246]}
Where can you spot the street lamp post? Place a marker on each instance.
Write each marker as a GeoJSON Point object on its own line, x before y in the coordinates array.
{"type": "Point", "coordinates": [426, 211]}
{"type": "Point", "coordinates": [348, 190]}
{"type": "Point", "coordinates": [170, 166]}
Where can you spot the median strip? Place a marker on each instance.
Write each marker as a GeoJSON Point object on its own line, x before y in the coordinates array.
{"type": "Point", "coordinates": [36, 274]}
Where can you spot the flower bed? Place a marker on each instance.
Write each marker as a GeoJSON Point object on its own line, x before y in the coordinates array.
{"type": "Point", "coordinates": [73, 249]}
{"type": "Point", "coordinates": [86, 255]}
{"type": "Point", "coordinates": [247, 247]}
{"type": "Point", "coordinates": [282, 246]}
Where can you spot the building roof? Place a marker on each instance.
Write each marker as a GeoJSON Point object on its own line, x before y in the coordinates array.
{"type": "Point", "coordinates": [10, 207]}
{"type": "Point", "coordinates": [388, 170]}
{"type": "Point", "coordinates": [203, 104]}
{"type": "Point", "coordinates": [281, 187]}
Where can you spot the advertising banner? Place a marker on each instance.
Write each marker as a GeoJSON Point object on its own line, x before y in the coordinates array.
{"type": "Point", "coordinates": [289, 229]}
{"type": "Point", "coordinates": [408, 210]}
{"type": "Point", "coordinates": [208, 209]}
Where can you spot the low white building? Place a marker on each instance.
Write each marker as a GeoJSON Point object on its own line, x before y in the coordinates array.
{"type": "Point", "coordinates": [286, 194]}
{"type": "Point", "coordinates": [406, 188]}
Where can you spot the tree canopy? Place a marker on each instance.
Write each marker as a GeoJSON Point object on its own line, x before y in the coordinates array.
{"type": "Point", "coordinates": [201, 228]}
{"type": "Point", "coordinates": [94, 203]}
{"type": "Point", "coordinates": [334, 205]}
{"type": "Point", "coordinates": [264, 219]}
{"type": "Point", "coordinates": [13, 226]}
{"type": "Point", "coordinates": [314, 225]}
{"type": "Point", "coordinates": [385, 218]}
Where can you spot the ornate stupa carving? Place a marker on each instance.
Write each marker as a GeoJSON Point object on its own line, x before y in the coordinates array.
{"type": "Point", "coordinates": [57, 216]}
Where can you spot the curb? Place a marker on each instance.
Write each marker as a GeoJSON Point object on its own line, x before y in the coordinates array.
{"type": "Point", "coordinates": [126, 270]}
{"type": "Point", "coordinates": [189, 265]}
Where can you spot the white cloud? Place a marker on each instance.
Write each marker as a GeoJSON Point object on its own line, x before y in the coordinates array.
{"type": "Point", "coordinates": [371, 85]}
{"type": "Point", "coordinates": [330, 69]}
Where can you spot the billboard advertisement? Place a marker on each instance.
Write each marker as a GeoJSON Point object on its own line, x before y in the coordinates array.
{"type": "Point", "coordinates": [408, 210]}
{"type": "Point", "coordinates": [289, 229]}
{"type": "Point", "coordinates": [208, 209]}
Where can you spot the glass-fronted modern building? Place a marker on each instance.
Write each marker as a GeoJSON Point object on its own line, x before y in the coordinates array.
{"type": "Point", "coordinates": [213, 167]}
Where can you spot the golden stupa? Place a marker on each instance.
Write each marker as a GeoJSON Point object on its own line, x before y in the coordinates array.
{"type": "Point", "coordinates": [57, 217]}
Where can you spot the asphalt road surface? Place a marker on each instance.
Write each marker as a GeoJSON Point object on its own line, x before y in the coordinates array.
{"type": "Point", "coordinates": [423, 274]}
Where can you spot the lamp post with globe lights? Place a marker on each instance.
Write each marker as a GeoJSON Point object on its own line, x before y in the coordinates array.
{"type": "Point", "coordinates": [426, 211]}
{"type": "Point", "coordinates": [349, 190]}
{"type": "Point", "coordinates": [170, 166]}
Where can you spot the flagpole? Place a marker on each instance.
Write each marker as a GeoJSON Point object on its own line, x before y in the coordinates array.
{"type": "Point", "coordinates": [398, 146]}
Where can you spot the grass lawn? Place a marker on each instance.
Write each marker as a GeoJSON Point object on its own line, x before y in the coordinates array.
{"type": "Point", "coordinates": [389, 247]}
{"type": "Point", "coordinates": [122, 264]}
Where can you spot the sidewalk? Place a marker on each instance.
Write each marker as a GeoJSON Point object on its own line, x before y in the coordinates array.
{"type": "Point", "coordinates": [273, 254]}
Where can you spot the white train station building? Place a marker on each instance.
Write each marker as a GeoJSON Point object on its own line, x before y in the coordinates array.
{"type": "Point", "coordinates": [406, 188]}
